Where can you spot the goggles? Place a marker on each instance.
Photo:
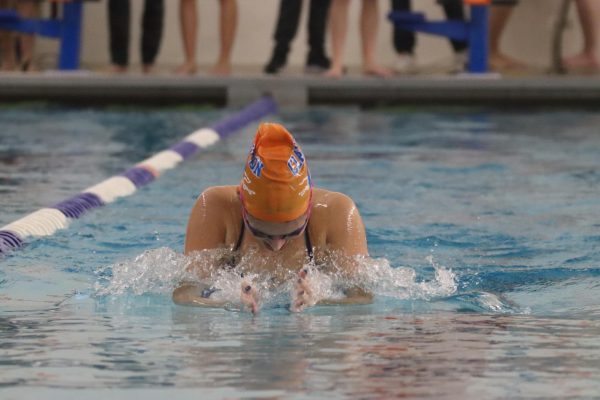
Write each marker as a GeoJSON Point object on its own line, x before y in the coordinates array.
{"type": "Point", "coordinates": [262, 235]}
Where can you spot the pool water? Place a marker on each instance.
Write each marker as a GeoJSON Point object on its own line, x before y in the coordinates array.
{"type": "Point", "coordinates": [483, 228]}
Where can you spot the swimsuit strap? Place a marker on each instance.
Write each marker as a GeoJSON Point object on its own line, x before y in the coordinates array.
{"type": "Point", "coordinates": [239, 241]}
{"type": "Point", "coordinates": [309, 248]}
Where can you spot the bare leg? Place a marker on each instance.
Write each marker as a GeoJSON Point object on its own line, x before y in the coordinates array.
{"type": "Point", "coordinates": [27, 9]}
{"type": "Point", "coordinates": [498, 18]}
{"type": "Point", "coordinates": [7, 46]}
{"type": "Point", "coordinates": [228, 26]}
{"type": "Point", "coordinates": [338, 20]}
{"type": "Point", "coordinates": [189, 28]}
{"type": "Point", "coordinates": [587, 60]}
{"type": "Point", "coordinates": [7, 49]}
{"type": "Point", "coordinates": [369, 24]}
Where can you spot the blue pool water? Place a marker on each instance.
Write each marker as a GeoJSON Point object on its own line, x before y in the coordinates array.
{"type": "Point", "coordinates": [484, 229]}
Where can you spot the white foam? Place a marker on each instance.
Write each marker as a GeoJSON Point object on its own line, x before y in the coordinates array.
{"type": "Point", "coordinates": [43, 222]}
{"type": "Point", "coordinates": [203, 138]}
{"type": "Point", "coordinates": [112, 188]}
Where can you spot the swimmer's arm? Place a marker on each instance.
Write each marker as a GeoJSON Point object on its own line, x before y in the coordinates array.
{"type": "Point", "coordinates": [348, 236]}
{"type": "Point", "coordinates": [191, 295]}
{"type": "Point", "coordinates": [207, 224]}
{"type": "Point", "coordinates": [345, 236]}
{"type": "Point", "coordinates": [207, 228]}
{"type": "Point", "coordinates": [352, 296]}
{"type": "Point", "coordinates": [303, 295]}
{"type": "Point", "coordinates": [346, 233]}
{"type": "Point", "coordinates": [197, 296]}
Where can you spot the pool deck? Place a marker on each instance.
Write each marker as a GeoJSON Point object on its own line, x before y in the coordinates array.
{"type": "Point", "coordinates": [89, 88]}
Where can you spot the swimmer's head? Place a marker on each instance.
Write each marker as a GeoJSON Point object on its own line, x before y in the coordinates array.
{"type": "Point", "coordinates": [276, 184]}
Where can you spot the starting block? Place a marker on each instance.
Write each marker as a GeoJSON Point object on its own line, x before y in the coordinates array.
{"type": "Point", "coordinates": [66, 29]}
{"type": "Point", "coordinates": [474, 31]}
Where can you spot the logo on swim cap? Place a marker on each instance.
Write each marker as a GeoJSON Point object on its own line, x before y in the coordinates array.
{"type": "Point", "coordinates": [296, 161]}
{"type": "Point", "coordinates": [255, 163]}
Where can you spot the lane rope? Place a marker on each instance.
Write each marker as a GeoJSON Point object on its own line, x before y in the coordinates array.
{"type": "Point", "coordinates": [46, 221]}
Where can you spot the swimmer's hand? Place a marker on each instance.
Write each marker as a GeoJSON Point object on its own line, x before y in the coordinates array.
{"type": "Point", "coordinates": [302, 295]}
{"type": "Point", "coordinates": [249, 297]}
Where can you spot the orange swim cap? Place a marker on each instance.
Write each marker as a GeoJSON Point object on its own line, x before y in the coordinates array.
{"type": "Point", "coordinates": [276, 185]}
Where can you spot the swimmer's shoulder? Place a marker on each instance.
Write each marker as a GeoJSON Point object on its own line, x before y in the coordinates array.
{"type": "Point", "coordinates": [337, 224]}
{"type": "Point", "coordinates": [330, 211]}
{"type": "Point", "coordinates": [331, 203]}
{"type": "Point", "coordinates": [219, 198]}
{"type": "Point", "coordinates": [218, 205]}
{"type": "Point", "coordinates": [215, 219]}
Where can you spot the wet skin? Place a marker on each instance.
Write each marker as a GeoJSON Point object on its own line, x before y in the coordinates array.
{"type": "Point", "coordinates": [334, 225]}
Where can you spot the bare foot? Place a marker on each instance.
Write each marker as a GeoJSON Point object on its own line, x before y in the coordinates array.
{"type": "Point", "coordinates": [29, 66]}
{"type": "Point", "coordinates": [303, 296]}
{"type": "Point", "coordinates": [148, 69]}
{"type": "Point", "coordinates": [377, 71]}
{"type": "Point", "coordinates": [334, 72]}
{"type": "Point", "coordinates": [500, 62]}
{"type": "Point", "coordinates": [117, 69]}
{"type": "Point", "coordinates": [7, 66]}
{"type": "Point", "coordinates": [249, 297]}
{"type": "Point", "coordinates": [581, 63]}
{"type": "Point", "coordinates": [186, 69]}
{"type": "Point", "coordinates": [221, 69]}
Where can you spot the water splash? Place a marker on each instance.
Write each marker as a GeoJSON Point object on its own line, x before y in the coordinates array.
{"type": "Point", "coordinates": [153, 271]}
{"type": "Point", "coordinates": [380, 278]}
{"type": "Point", "coordinates": [487, 302]}
{"type": "Point", "coordinates": [162, 270]}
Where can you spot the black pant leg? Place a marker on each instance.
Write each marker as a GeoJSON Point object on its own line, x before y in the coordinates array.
{"type": "Point", "coordinates": [287, 25]}
{"type": "Point", "coordinates": [118, 28]}
{"type": "Point", "coordinates": [454, 10]}
{"type": "Point", "coordinates": [152, 28]}
{"type": "Point", "coordinates": [404, 41]}
{"type": "Point", "coordinates": [317, 24]}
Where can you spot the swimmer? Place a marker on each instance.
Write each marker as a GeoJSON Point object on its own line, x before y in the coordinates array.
{"type": "Point", "coordinates": [276, 217]}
